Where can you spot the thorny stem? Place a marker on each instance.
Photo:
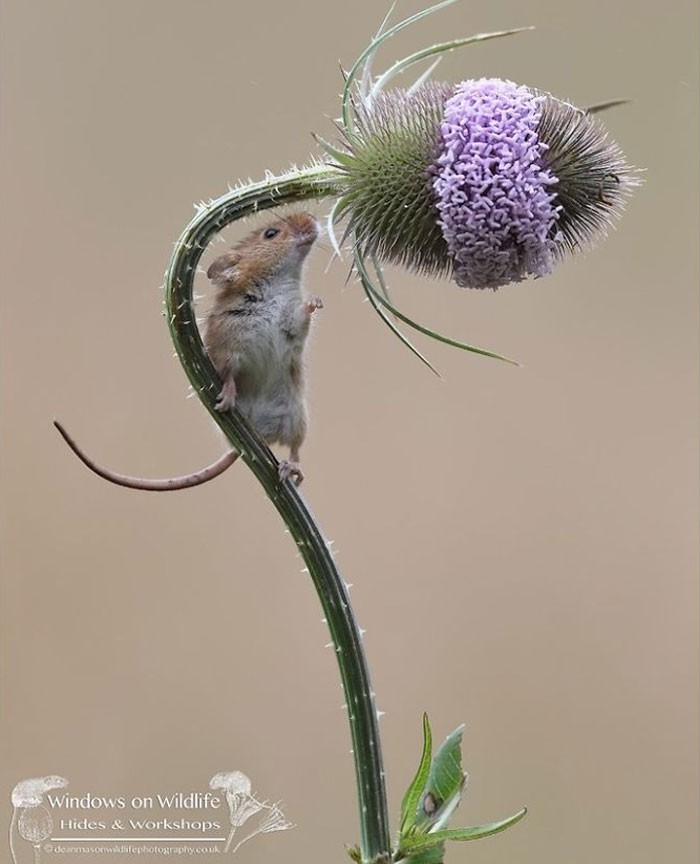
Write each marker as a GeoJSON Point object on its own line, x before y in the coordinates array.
{"type": "Point", "coordinates": [297, 185]}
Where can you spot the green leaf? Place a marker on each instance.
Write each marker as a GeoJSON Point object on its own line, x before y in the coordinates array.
{"type": "Point", "coordinates": [376, 295]}
{"type": "Point", "coordinates": [409, 805]}
{"type": "Point", "coordinates": [455, 343]}
{"type": "Point", "coordinates": [344, 159]}
{"type": "Point", "coordinates": [431, 799]}
{"type": "Point", "coordinates": [437, 50]}
{"type": "Point", "coordinates": [419, 842]}
{"type": "Point", "coordinates": [604, 106]}
{"type": "Point", "coordinates": [395, 330]}
{"type": "Point", "coordinates": [431, 855]}
{"type": "Point", "coordinates": [443, 789]}
{"type": "Point", "coordinates": [367, 55]}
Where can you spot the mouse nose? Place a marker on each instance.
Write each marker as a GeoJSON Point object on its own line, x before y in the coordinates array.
{"type": "Point", "coordinates": [306, 227]}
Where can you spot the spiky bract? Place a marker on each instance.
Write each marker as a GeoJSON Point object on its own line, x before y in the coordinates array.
{"type": "Point", "coordinates": [389, 200]}
{"type": "Point", "coordinates": [593, 177]}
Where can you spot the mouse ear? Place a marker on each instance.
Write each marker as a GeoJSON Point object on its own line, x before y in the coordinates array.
{"type": "Point", "coordinates": [223, 269]}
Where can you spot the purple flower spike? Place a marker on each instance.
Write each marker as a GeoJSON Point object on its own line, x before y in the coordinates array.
{"type": "Point", "coordinates": [495, 198]}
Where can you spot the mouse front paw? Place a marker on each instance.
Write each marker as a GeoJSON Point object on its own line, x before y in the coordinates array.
{"type": "Point", "coordinates": [313, 303]}
{"type": "Point", "coordinates": [291, 471]}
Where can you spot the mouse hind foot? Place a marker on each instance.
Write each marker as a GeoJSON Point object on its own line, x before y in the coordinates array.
{"type": "Point", "coordinates": [291, 470]}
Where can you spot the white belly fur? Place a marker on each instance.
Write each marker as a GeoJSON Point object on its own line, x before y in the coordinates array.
{"type": "Point", "coordinates": [270, 383]}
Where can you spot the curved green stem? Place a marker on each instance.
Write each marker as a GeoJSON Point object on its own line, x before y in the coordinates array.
{"type": "Point", "coordinates": [297, 185]}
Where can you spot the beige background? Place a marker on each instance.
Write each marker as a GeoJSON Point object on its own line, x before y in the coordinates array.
{"type": "Point", "coordinates": [522, 542]}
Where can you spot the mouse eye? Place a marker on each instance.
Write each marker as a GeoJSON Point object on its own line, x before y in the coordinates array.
{"type": "Point", "coordinates": [269, 233]}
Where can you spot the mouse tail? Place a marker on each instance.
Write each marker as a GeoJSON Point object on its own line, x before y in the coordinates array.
{"type": "Point", "coordinates": [197, 478]}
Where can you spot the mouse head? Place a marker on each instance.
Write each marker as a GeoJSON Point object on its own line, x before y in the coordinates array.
{"type": "Point", "coordinates": [278, 248]}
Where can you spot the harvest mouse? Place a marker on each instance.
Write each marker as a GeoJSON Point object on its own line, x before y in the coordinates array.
{"type": "Point", "coordinates": [255, 334]}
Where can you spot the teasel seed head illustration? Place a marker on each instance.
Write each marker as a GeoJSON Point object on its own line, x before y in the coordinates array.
{"type": "Point", "coordinates": [35, 824]}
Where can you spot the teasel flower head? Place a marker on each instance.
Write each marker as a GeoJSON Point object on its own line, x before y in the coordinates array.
{"type": "Point", "coordinates": [485, 182]}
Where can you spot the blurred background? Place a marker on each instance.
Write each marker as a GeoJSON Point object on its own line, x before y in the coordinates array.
{"type": "Point", "coordinates": [522, 541]}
